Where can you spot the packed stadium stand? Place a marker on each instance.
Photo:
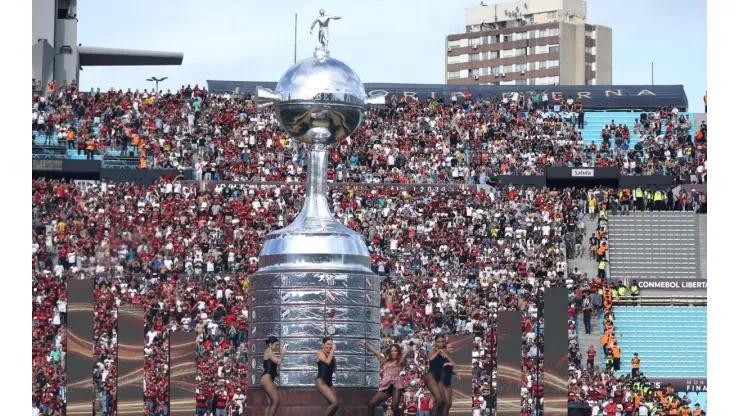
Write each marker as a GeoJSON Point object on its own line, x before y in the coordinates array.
{"type": "Point", "coordinates": [185, 247]}
{"type": "Point", "coordinates": [671, 341]}
{"type": "Point", "coordinates": [654, 244]}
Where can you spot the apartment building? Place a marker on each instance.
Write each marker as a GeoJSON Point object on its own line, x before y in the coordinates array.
{"type": "Point", "coordinates": [529, 42]}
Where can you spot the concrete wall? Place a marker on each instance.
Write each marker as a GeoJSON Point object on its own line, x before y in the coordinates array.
{"type": "Point", "coordinates": [67, 57]}
{"type": "Point", "coordinates": [568, 53]}
{"type": "Point", "coordinates": [572, 53]}
{"type": "Point", "coordinates": [603, 55]}
{"type": "Point", "coordinates": [43, 15]}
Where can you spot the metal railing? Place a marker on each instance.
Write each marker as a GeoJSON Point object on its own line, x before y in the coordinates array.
{"type": "Point", "coordinates": [674, 300]}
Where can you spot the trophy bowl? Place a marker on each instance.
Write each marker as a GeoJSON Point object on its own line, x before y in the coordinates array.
{"type": "Point", "coordinates": [319, 100]}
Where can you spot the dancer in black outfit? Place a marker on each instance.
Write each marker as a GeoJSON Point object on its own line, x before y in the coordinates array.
{"type": "Point", "coordinates": [448, 370]}
{"type": "Point", "coordinates": [327, 366]}
{"type": "Point", "coordinates": [433, 377]}
{"type": "Point", "coordinates": [270, 364]}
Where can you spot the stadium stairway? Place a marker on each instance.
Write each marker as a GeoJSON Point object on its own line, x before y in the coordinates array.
{"type": "Point", "coordinates": [670, 341]}
{"type": "Point", "coordinates": [654, 245]}
{"type": "Point", "coordinates": [586, 265]}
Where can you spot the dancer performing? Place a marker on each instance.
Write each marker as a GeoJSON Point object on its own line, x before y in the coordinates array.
{"type": "Point", "coordinates": [433, 377]}
{"type": "Point", "coordinates": [448, 370]}
{"type": "Point", "coordinates": [327, 365]}
{"type": "Point", "coordinates": [391, 384]}
{"type": "Point", "coordinates": [270, 364]}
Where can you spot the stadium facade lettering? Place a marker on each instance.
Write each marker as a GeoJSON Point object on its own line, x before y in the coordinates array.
{"type": "Point", "coordinates": [594, 97]}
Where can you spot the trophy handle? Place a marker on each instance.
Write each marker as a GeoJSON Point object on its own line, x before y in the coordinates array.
{"type": "Point", "coordinates": [375, 100]}
{"type": "Point", "coordinates": [264, 97]}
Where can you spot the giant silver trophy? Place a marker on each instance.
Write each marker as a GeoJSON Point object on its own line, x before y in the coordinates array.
{"type": "Point", "coordinates": [314, 277]}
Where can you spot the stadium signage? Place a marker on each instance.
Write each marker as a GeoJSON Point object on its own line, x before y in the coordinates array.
{"type": "Point", "coordinates": [47, 164]}
{"type": "Point", "coordinates": [684, 385]}
{"type": "Point", "coordinates": [582, 173]}
{"type": "Point", "coordinates": [676, 284]}
{"type": "Point", "coordinates": [594, 97]}
{"type": "Point", "coordinates": [410, 187]}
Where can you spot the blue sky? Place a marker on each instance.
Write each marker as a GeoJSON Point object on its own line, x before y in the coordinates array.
{"type": "Point", "coordinates": [382, 40]}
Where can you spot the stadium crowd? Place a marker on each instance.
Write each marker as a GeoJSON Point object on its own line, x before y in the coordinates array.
{"type": "Point", "coordinates": [450, 259]}
{"type": "Point", "coordinates": [224, 136]}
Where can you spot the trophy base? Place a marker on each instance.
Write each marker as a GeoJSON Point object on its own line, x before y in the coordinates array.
{"type": "Point", "coordinates": [305, 401]}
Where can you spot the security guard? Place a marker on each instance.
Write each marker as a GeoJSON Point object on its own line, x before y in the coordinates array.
{"type": "Point", "coordinates": [602, 268]}
{"type": "Point", "coordinates": [634, 289]}
{"type": "Point", "coordinates": [635, 366]}
{"type": "Point", "coordinates": [649, 199]}
{"type": "Point", "coordinates": [622, 289]}
{"type": "Point", "coordinates": [658, 200]}
{"type": "Point", "coordinates": [609, 360]}
{"type": "Point", "coordinates": [639, 199]}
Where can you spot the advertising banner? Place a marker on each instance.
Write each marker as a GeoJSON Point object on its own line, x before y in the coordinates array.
{"type": "Point", "coordinates": [677, 284]}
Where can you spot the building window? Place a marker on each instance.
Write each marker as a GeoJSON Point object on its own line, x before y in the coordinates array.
{"type": "Point", "coordinates": [495, 70]}
{"type": "Point", "coordinates": [485, 71]}
{"type": "Point", "coordinates": [476, 72]}
{"type": "Point", "coordinates": [474, 41]}
{"type": "Point", "coordinates": [552, 15]}
{"type": "Point", "coordinates": [453, 75]}
{"type": "Point", "coordinates": [553, 49]}
{"type": "Point", "coordinates": [474, 57]}
{"type": "Point", "coordinates": [507, 38]}
{"type": "Point", "coordinates": [453, 44]}
{"type": "Point", "coordinates": [553, 64]}
{"type": "Point", "coordinates": [484, 40]}
{"type": "Point", "coordinates": [520, 52]}
{"type": "Point", "coordinates": [521, 82]}
{"type": "Point", "coordinates": [542, 65]}
{"type": "Point", "coordinates": [554, 32]}
{"type": "Point", "coordinates": [520, 35]}
{"type": "Point", "coordinates": [494, 54]}
{"type": "Point", "coordinates": [521, 67]}
{"type": "Point", "coordinates": [542, 33]}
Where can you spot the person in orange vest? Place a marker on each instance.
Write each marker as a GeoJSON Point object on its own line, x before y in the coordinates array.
{"type": "Point", "coordinates": [604, 341]}
{"type": "Point", "coordinates": [70, 139]}
{"type": "Point", "coordinates": [617, 351]}
{"type": "Point", "coordinates": [635, 366]}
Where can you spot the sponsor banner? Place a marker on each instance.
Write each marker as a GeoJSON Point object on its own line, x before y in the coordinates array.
{"type": "Point", "coordinates": [682, 384]}
{"type": "Point", "coordinates": [582, 173]}
{"type": "Point", "coordinates": [676, 284]}
{"type": "Point", "coordinates": [47, 165]}
{"type": "Point", "coordinates": [410, 187]}
{"type": "Point", "coordinates": [594, 97]}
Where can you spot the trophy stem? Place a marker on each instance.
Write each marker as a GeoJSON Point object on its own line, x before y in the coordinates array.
{"type": "Point", "coordinates": [316, 207]}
